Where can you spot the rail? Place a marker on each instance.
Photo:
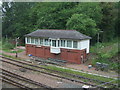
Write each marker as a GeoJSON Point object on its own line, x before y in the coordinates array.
{"type": "Point", "coordinates": [78, 76]}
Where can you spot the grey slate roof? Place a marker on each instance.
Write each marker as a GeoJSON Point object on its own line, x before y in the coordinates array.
{"type": "Point", "coordinates": [63, 34]}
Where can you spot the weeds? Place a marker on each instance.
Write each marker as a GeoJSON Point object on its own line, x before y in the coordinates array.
{"type": "Point", "coordinates": [105, 52]}
{"type": "Point", "coordinates": [7, 46]}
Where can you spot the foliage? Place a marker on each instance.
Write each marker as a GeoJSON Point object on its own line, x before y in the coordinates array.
{"type": "Point", "coordinates": [54, 16]}
{"type": "Point", "coordinates": [108, 23]}
{"type": "Point", "coordinates": [6, 45]}
{"type": "Point", "coordinates": [90, 8]}
{"type": "Point", "coordinates": [83, 24]}
{"type": "Point", "coordinates": [105, 52]}
{"type": "Point", "coordinates": [15, 18]}
{"type": "Point", "coordinates": [25, 17]}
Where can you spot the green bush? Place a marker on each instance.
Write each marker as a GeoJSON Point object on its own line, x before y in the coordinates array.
{"type": "Point", "coordinates": [6, 45]}
{"type": "Point", "coordinates": [105, 52]}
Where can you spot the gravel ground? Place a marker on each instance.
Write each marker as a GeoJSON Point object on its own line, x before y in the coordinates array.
{"type": "Point", "coordinates": [7, 85]}
{"type": "Point", "coordinates": [43, 78]}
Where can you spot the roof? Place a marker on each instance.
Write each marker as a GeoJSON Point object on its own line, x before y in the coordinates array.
{"type": "Point", "coordinates": [63, 34]}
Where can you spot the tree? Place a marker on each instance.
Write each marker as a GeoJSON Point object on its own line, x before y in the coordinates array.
{"type": "Point", "coordinates": [108, 21]}
{"type": "Point", "coordinates": [83, 24]}
{"type": "Point", "coordinates": [20, 18]}
{"type": "Point", "coordinates": [16, 18]}
{"type": "Point", "coordinates": [52, 15]}
{"type": "Point", "coordinates": [91, 9]}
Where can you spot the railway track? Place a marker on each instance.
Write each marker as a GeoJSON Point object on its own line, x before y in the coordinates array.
{"type": "Point", "coordinates": [9, 76]}
{"type": "Point", "coordinates": [14, 83]}
{"type": "Point", "coordinates": [73, 75]}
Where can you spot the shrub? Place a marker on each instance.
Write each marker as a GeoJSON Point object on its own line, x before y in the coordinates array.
{"type": "Point", "coordinates": [6, 45]}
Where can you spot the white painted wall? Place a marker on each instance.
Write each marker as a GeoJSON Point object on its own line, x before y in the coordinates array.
{"type": "Point", "coordinates": [84, 44]}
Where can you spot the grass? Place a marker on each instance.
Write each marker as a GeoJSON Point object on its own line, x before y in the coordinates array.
{"type": "Point", "coordinates": [10, 51]}
{"type": "Point", "coordinates": [8, 47]}
{"type": "Point", "coordinates": [79, 73]}
{"type": "Point", "coordinates": [105, 53]}
{"type": "Point", "coordinates": [13, 57]}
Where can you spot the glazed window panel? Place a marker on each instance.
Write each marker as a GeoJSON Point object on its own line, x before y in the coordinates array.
{"type": "Point", "coordinates": [58, 43]}
{"type": "Point", "coordinates": [62, 43]}
{"type": "Point", "coordinates": [50, 41]}
{"type": "Point", "coordinates": [36, 41]}
{"type": "Point", "coordinates": [46, 42]}
{"type": "Point", "coordinates": [41, 41]}
{"type": "Point", "coordinates": [75, 44]}
{"type": "Point", "coordinates": [69, 43]}
{"type": "Point", "coordinates": [28, 39]}
{"type": "Point", "coordinates": [32, 40]}
{"type": "Point", "coordinates": [54, 43]}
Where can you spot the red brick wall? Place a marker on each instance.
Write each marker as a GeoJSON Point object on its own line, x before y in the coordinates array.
{"type": "Point", "coordinates": [71, 55]}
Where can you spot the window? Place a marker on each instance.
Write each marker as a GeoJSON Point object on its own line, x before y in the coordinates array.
{"type": "Point", "coordinates": [54, 43]}
{"type": "Point", "coordinates": [41, 41]}
{"type": "Point", "coordinates": [75, 44]}
{"type": "Point", "coordinates": [58, 43]}
{"type": "Point", "coordinates": [28, 39]}
{"type": "Point", "coordinates": [46, 42]}
{"type": "Point", "coordinates": [69, 43]}
{"type": "Point", "coordinates": [50, 42]}
{"type": "Point", "coordinates": [36, 41]}
{"type": "Point", "coordinates": [62, 43]}
{"type": "Point", "coordinates": [32, 40]}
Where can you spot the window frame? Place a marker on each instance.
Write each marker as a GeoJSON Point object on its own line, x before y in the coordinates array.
{"type": "Point", "coordinates": [37, 41]}
{"type": "Point", "coordinates": [55, 43]}
{"type": "Point", "coordinates": [68, 44]}
{"type": "Point", "coordinates": [48, 43]}
{"type": "Point", "coordinates": [32, 38]}
{"type": "Point", "coordinates": [63, 43]}
{"type": "Point", "coordinates": [41, 43]}
{"type": "Point", "coordinates": [76, 43]}
{"type": "Point", "coordinates": [28, 39]}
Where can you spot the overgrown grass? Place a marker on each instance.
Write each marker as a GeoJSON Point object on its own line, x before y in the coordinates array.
{"type": "Point", "coordinates": [10, 51]}
{"type": "Point", "coordinates": [8, 47]}
{"type": "Point", "coordinates": [105, 52]}
{"type": "Point", "coordinates": [79, 73]}
{"type": "Point", "coordinates": [9, 56]}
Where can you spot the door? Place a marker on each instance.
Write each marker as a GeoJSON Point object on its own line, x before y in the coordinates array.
{"type": "Point", "coordinates": [82, 59]}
